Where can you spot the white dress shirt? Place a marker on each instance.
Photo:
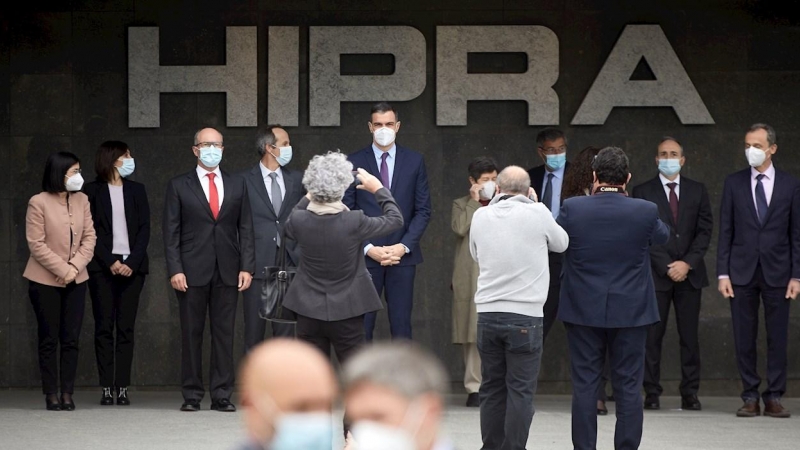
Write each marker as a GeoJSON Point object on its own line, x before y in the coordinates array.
{"type": "Point", "coordinates": [268, 181]}
{"type": "Point", "coordinates": [201, 174]}
{"type": "Point", "coordinates": [768, 182]}
{"type": "Point", "coordinates": [665, 181]}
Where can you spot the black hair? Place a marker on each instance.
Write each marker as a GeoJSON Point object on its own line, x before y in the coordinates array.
{"type": "Point", "coordinates": [480, 166]}
{"type": "Point", "coordinates": [384, 107]}
{"type": "Point", "coordinates": [55, 169]}
{"type": "Point", "coordinates": [107, 155]}
{"type": "Point", "coordinates": [611, 166]}
{"type": "Point", "coordinates": [266, 137]}
{"type": "Point", "coordinates": [549, 134]}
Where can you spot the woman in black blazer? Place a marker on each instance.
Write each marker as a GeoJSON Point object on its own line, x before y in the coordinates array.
{"type": "Point", "coordinates": [121, 217]}
{"type": "Point", "coordinates": [332, 289]}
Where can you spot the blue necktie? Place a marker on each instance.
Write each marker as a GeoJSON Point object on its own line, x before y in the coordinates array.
{"type": "Point", "coordinates": [547, 196]}
{"type": "Point", "coordinates": [761, 200]}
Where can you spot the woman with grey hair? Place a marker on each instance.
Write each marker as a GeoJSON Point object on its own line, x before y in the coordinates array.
{"type": "Point", "coordinates": [332, 289]}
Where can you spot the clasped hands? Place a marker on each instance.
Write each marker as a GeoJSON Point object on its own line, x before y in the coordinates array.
{"type": "Point", "coordinates": [678, 271]}
{"type": "Point", "coordinates": [389, 255]}
{"type": "Point", "coordinates": [118, 268]}
{"type": "Point", "coordinates": [70, 277]}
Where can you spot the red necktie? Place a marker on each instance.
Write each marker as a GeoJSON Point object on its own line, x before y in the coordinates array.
{"type": "Point", "coordinates": [213, 195]}
{"type": "Point", "coordinates": [673, 202]}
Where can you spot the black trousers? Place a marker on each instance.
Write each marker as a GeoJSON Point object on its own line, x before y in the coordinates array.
{"type": "Point", "coordinates": [744, 312]}
{"type": "Point", "coordinates": [347, 336]}
{"type": "Point", "coordinates": [255, 326]}
{"type": "Point", "coordinates": [59, 313]}
{"type": "Point", "coordinates": [553, 293]}
{"type": "Point", "coordinates": [219, 302]}
{"type": "Point", "coordinates": [115, 302]}
{"type": "Point", "coordinates": [686, 299]}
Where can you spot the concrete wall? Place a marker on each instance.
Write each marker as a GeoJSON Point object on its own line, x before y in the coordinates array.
{"type": "Point", "coordinates": [63, 86]}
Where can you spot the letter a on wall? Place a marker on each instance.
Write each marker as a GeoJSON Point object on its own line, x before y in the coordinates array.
{"type": "Point", "coordinates": [613, 86]}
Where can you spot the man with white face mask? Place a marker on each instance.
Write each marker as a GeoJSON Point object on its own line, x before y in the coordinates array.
{"type": "Point", "coordinates": [482, 178]}
{"type": "Point", "coordinates": [392, 260]}
{"type": "Point", "coordinates": [273, 190]}
{"type": "Point", "coordinates": [290, 408]}
{"type": "Point", "coordinates": [208, 246]}
{"type": "Point", "coordinates": [679, 272]}
{"type": "Point", "coordinates": [758, 260]}
{"type": "Point", "coordinates": [394, 398]}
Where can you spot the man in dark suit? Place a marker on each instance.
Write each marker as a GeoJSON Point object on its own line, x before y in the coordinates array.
{"type": "Point", "coordinates": [273, 191]}
{"type": "Point", "coordinates": [758, 255]}
{"type": "Point", "coordinates": [208, 245]}
{"type": "Point", "coordinates": [679, 271]}
{"type": "Point", "coordinates": [402, 171]}
{"type": "Point", "coordinates": [547, 180]}
{"type": "Point", "coordinates": [608, 300]}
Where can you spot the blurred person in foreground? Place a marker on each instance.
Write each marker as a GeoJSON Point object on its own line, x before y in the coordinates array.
{"type": "Point", "coordinates": [290, 408]}
{"type": "Point", "coordinates": [510, 240]}
{"type": "Point", "coordinates": [608, 300]}
{"type": "Point", "coordinates": [395, 398]}
{"type": "Point", "coordinates": [332, 290]}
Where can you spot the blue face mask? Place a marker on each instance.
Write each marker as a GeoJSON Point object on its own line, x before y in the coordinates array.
{"type": "Point", "coordinates": [285, 155]}
{"type": "Point", "coordinates": [210, 156]}
{"type": "Point", "coordinates": [306, 431]}
{"type": "Point", "coordinates": [127, 167]}
{"type": "Point", "coordinates": [556, 162]}
{"type": "Point", "coordinates": [669, 167]}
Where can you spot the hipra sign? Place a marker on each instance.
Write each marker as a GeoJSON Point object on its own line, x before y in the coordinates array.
{"type": "Point", "coordinates": [328, 88]}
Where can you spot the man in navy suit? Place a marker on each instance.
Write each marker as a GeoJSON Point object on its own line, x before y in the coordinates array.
{"type": "Point", "coordinates": [679, 272]}
{"type": "Point", "coordinates": [758, 255]}
{"type": "Point", "coordinates": [608, 300]}
{"type": "Point", "coordinates": [547, 180]}
{"type": "Point", "coordinates": [392, 260]}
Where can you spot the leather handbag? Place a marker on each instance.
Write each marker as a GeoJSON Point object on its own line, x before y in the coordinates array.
{"type": "Point", "coordinates": [276, 284]}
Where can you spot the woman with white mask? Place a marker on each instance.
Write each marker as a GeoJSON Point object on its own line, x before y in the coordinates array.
{"type": "Point", "coordinates": [61, 240]}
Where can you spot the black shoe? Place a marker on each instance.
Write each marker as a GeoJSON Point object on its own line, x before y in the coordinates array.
{"type": "Point", "coordinates": [52, 403]}
{"type": "Point", "coordinates": [690, 403]}
{"type": "Point", "coordinates": [223, 405]}
{"type": "Point", "coordinates": [122, 396]}
{"type": "Point", "coordinates": [67, 404]}
{"type": "Point", "coordinates": [652, 402]}
{"type": "Point", "coordinates": [473, 400]}
{"type": "Point", "coordinates": [601, 408]}
{"type": "Point", "coordinates": [107, 398]}
{"type": "Point", "coordinates": [190, 405]}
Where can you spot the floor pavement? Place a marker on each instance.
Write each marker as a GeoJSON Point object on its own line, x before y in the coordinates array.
{"type": "Point", "coordinates": [153, 422]}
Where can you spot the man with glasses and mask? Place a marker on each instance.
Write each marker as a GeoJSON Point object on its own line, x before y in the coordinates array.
{"type": "Point", "coordinates": [208, 245]}
{"type": "Point", "coordinates": [290, 408]}
{"type": "Point", "coordinates": [273, 190]}
{"type": "Point", "coordinates": [547, 181]}
{"type": "Point", "coordinates": [402, 171]}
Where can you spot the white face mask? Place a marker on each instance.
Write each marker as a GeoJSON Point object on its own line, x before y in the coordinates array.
{"type": "Point", "coordinates": [370, 435]}
{"type": "Point", "coordinates": [74, 183]}
{"type": "Point", "coordinates": [755, 156]}
{"type": "Point", "coordinates": [488, 190]}
{"type": "Point", "coordinates": [384, 136]}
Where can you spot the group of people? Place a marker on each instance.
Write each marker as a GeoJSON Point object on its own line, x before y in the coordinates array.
{"type": "Point", "coordinates": [572, 242]}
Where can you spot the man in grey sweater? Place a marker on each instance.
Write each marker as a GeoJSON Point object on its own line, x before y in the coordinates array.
{"type": "Point", "coordinates": [510, 239]}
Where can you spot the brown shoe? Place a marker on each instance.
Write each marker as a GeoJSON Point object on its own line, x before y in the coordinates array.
{"type": "Point", "coordinates": [773, 408]}
{"type": "Point", "coordinates": [750, 408]}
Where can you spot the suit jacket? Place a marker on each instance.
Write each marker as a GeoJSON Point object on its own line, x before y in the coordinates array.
{"type": "Point", "coordinates": [268, 221]}
{"type": "Point", "coordinates": [689, 238]}
{"type": "Point", "coordinates": [537, 180]}
{"type": "Point", "coordinates": [194, 242]}
{"type": "Point", "coordinates": [607, 281]}
{"type": "Point", "coordinates": [48, 223]}
{"type": "Point", "coordinates": [409, 188]}
{"type": "Point", "coordinates": [332, 282]}
{"type": "Point", "coordinates": [744, 243]}
{"type": "Point", "coordinates": [137, 218]}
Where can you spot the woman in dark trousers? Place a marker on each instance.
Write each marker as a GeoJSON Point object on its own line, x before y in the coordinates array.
{"type": "Point", "coordinates": [61, 239]}
{"type": "Point", "coordinates": [117, 272]}
{"type": "Point", "coordinates": [332, 289]}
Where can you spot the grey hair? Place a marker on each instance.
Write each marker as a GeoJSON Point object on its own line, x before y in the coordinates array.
{"type": "Point", "coordinates": [772, 138]}
{"type": "Point", "coordinates": [328, 176]}
{"type": "Point", "coordinates": [670, 138]}
{"type": "Point", "coordinates": [266, 137]}
{"type": "Point", "coordinates": [514, 180]}
{"type": "Point", "coordinates": [405, 368]}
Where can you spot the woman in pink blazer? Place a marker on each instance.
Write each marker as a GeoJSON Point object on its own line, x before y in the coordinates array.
{"type": "Point", "coordinates": [61, 239]}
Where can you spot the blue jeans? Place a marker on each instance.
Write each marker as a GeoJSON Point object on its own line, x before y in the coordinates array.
{"type": "Point", "coordinates": [510, 346]}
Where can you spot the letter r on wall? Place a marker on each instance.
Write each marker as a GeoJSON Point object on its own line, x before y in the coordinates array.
{"type": "Point", "coordinates": [147, 78]}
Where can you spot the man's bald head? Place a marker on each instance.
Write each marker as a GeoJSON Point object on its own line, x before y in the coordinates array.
{"type": "Point", "coordinates": [207, 135]}
{"type": "Point", "coordinates": [283, 376]}
{"type": "Point", "coordinates": [514, 180]}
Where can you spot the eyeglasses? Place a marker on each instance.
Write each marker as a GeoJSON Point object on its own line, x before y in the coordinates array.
{"type": "Point", "coordinates": [554, 150]}
{"type": "Point", "coordinates": [209, 144]}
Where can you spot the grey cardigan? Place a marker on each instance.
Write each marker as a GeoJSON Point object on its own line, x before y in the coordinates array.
{"type": "Point", "coordinates": [332, 281]}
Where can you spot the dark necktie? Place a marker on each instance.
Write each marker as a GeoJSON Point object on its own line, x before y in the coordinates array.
{"type": "Point", "coordinates": [547, 196]}
{"type": "Point", "coordinates": [385, 170]}
{"type": "Point", "coordinates": [213, 195]}
{"type": "Point", "coordinates": [761, 199]}
{"type": "Point", "coordinates": [276, 200]}
{"type": "Point", "coordinates": [673, 202]}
